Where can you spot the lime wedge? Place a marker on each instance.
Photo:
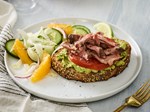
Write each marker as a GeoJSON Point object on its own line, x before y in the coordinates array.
{"type": "Point", "coordinates": [105, 28]}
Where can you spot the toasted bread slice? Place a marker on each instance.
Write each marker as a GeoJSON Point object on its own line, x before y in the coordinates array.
{"type": "Point", "coordinates": [72, 74]}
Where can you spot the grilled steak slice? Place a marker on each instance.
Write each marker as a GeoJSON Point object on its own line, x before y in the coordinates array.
{"type": "Point", "coordinates": [89, 46]}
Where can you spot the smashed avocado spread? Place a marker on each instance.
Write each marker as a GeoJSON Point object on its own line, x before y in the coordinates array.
{"type": "Point", "coordinates": [63, 57]}
{"type": "Point", "coordinates": [67, 63]}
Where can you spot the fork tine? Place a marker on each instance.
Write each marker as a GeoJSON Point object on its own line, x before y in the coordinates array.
{"type": "Point", "coordinates": [146, 98]}
{"type": "Point", "coordinates": [143, 97]}
{"type": "Point", "coordinates": [143, 92]}
{"type": "Point", "coordinates": [141, 89]}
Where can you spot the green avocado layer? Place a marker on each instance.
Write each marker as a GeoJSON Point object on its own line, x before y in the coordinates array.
{"type": "Point", "coordinates": [63, 57]}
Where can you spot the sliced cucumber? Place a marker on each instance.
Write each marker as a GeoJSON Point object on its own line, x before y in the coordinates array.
{"type": "Point", "coordinates": [8, 46]}
{"type": "Point", "coordinates": [79, 31]}
{"type": "Point", "coordinates": [54, 35]}
{"type": "Point", "coordinates": [82, 27]}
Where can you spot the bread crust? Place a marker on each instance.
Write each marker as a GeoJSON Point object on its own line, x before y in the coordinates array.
{"type": "Point", "coordinates": [72, 74]}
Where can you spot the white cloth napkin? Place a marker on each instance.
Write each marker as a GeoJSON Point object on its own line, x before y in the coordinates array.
{"type": "Point", "coordinates": [12, 97]}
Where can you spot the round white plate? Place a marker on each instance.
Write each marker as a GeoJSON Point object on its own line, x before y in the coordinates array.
{"type": "Point", "coordinates": [63, 90]}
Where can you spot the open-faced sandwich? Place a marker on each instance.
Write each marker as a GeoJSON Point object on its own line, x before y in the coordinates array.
{"type": "Point", "coordinates": [73, 51]}
{"type": "Point", "coordinates": [92, 57]}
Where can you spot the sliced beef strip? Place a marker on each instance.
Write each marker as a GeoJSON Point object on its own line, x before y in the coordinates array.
{"type": "Point", "coordinates": [73, 38]}
{"type": "Point", "coordinates": [103, 49]}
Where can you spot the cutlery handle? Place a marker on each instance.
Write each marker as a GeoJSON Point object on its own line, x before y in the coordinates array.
{"type": "Point", "coordinates": [121, 107]}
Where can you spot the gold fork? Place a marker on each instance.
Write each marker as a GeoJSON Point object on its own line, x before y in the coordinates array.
{"type": "Point", "coordinates": [138, 98]}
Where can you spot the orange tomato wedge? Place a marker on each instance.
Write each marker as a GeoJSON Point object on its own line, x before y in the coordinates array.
{"type": "Point", "coordinates": [21, 52]}
{"type": "Point", "coordinates": [66, 27]}
{"type": "Point", "coordinates": [43, 68]}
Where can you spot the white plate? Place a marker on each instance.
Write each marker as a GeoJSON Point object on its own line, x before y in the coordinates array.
{"type": "Point", "coordinates": [63, 90]}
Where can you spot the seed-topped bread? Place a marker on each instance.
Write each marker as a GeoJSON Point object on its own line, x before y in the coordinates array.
{"type": "Point", "coordinates": [115, 54]}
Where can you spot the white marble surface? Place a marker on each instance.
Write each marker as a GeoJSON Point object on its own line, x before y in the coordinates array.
{"type": "Point", "coordinates": [133, 16]}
